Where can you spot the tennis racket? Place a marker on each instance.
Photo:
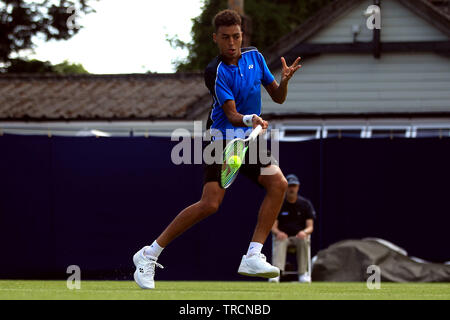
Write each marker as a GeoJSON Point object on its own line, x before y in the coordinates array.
{"type": "Point", "coordinates": [235, 148]}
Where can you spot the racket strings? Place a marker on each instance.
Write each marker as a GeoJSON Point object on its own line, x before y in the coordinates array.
{"type": "Point", "coordinates": [235, 149]}
{"type": "Point", "coordinates": [229, 172]}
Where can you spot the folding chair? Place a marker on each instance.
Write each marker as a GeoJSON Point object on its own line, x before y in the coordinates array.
{"type": "Point", "coordinates": [292, 250]}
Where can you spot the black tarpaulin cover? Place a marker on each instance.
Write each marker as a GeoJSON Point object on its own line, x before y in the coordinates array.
{"type": "Point", "coordinates": [349, 260]}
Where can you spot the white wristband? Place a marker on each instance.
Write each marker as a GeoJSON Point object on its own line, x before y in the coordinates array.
{"type": "Point", "coordinates": [248, 120]}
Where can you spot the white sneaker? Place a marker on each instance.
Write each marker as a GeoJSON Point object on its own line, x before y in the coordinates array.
{"type": "Point", "coordinates": [276, 279]}
{"type": "Point", "coordinates": [304, 278]}
{"type": "Point", "coordinates": [257, 266]}
{"type": "Point", "coordinates": [145, 269]}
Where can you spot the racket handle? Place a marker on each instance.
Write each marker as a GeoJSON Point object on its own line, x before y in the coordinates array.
{"type": "Point", "coordinates": [255, 133]}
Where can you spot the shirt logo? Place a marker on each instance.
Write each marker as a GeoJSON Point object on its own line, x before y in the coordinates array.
{"type": "Point", "coordinates": [250, 67]}
{"type": "Point", "coordinates": [284, 213]}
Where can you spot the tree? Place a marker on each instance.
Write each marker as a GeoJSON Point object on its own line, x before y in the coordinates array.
{"type": "Point", "coordinates": [69, 68]}
{"type": "Point", "coordinates": [37, 66]}
{"type": "Point", "coordinates": [28, 66]}
{"type": "Point", "coordinates": [21, 21]}
{"type": "Point", "coordinates": [270, 21]}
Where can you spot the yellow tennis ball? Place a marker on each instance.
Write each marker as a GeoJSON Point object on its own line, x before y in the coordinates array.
{"type": "Point", "coordinates": [234, 162]}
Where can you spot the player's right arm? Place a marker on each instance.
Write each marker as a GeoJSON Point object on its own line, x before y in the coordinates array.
{"type": "Point", "coordinates": [223, 96]}
{"type": "Point", "coordinates": [236, 119]}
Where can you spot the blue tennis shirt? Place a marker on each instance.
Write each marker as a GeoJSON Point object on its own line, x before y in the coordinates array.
{"type": "Point", "coordinates": [241, 83]}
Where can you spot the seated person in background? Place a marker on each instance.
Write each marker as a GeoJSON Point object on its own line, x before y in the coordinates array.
{"type": "Point", "coordinates": [293, 226]}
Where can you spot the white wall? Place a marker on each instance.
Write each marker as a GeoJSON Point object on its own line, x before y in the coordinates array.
{"type": "Point", "coordinates": [398, 23]}
{"type": "Point", "coordinates": [359, 83]}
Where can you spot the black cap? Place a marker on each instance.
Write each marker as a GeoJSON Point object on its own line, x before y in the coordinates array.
{"type": "Point", "coordinates": [292, 179]}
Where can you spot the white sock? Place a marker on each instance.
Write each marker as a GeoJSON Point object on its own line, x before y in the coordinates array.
{"type": "Point", "coordinates": [254, 248]}
{"type": "Point", "coordinates": [153, 250]}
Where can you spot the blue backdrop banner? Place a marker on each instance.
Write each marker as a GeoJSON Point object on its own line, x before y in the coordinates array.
{"type": "Point", "coordinates": [93, 202]}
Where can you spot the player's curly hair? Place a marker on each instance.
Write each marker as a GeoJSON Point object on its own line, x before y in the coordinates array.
{"type": "Point", "coordinates": [226, 18]}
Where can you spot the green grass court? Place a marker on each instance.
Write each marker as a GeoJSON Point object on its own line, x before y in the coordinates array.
{"type": "Point", "coordinates": [199, 290]}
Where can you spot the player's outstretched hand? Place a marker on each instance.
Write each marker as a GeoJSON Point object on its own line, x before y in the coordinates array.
{"type": "Point", "coordinates": [259, 121]}
{"type": "Point", "coordinates": [288, 72]}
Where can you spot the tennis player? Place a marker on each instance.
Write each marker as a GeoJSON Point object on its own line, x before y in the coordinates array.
{"type": "Point", "coordinates": [234, 80]}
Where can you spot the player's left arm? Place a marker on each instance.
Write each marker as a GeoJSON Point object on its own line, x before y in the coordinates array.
{"type": "Point", "coordinates": [278, 92]}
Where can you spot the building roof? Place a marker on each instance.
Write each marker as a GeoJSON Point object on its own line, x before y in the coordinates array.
{"type": "Point", "coordinates": [442, 5]}
{"type": "Point", "coordinates": [102, 97]}
{"type": "Point", "coordinates": [179, 95]}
